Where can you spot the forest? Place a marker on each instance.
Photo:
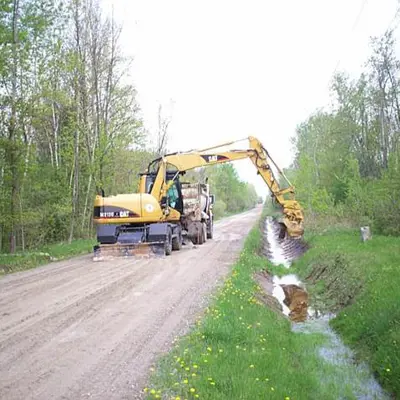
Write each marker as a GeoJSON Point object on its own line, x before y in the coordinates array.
{"type": "Point", "coordinates": [346, 168]}
{"type": "Point", "coordinates": [70, 123]}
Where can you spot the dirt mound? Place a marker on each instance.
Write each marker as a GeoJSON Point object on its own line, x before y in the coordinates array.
{"type": "Point", "coordinates": [296, 299]}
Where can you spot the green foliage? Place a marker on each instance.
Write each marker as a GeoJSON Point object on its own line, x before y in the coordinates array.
{"type": "Point", "coordinates": [361, 281]}
{"type": "Point", "coordinates": [347, 158]}
{"type": "Point", "coordinates": [76, 122]}
{"type": "Point", "coordinates": [219, 209]}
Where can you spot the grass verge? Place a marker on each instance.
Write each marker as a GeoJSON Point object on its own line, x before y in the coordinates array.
{"type": "Point", "coordinates": [21, 261]}
{"type": "Point", "coordinates": [240, 349]}
{"type": "Point", "coordinates": [361, 282]}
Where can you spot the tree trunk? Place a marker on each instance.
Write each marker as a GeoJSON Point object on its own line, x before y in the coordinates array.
{"type": "Point", "coordinates": [85, 209]}
{"type": "Point", "coordinates": [12, 134]}
{"type": "Point", "coordinates": [75, 187]}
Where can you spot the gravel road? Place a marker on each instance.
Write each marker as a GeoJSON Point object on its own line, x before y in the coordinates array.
{"type": "Point", "coordinates": [77, 329]}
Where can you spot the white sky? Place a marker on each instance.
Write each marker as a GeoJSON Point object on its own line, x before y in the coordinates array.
{"type": "Point", "coordinates": [237, 68]}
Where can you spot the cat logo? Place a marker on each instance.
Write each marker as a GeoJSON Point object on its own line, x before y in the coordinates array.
{"type": "Point", "coordinates": [213, 158]}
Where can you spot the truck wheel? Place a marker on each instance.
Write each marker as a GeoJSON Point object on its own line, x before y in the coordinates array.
{"type": "Point", "coordinates": [177, 241]}
{"type": "Point", "coordinates": [204, 232]}
{"type": "Point", "coordinates": [168, 242]}
{"type": "Point", "coordinates": [200, 238]}
{"type": "Point", "coordinates": [210, 233]}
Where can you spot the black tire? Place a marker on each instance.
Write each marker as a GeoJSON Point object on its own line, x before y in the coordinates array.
{"type": "Point", "coordinates": [204, 232]}
{"type": "Point", "coordinates": [177, 241]}
{"type": "Point", "coordinates": [168, 242]}
{"type": "Point", "coordinates": [210, 231]}
{"type": "Point", "coordinates": [200, 239]}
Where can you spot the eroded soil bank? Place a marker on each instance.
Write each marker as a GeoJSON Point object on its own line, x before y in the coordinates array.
{"type": "Point", "coordinates": [287, 295]}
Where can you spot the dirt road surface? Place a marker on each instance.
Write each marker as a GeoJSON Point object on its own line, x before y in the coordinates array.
{"type": "Point", "coordinates": [77, 329]}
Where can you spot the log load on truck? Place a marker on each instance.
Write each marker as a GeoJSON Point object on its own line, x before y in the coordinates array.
{"type": "Point", "coordinates": [156, 219]}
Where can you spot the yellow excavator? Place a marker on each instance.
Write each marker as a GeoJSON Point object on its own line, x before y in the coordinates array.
{"type": "Point", "coordinates": [164, 211]}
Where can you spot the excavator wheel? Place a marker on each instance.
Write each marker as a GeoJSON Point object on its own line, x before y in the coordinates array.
{"type": "Point", "coordinates": [168, 242]}
{"type": "Point", "coordinates": [177, 241]}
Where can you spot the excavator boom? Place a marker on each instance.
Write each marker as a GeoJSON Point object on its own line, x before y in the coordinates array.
{"type": "Point", "coordinates": [292, 212]}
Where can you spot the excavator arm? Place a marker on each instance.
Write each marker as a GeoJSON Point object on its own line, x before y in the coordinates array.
{"type": "Point", "coordinates": [181, 162]}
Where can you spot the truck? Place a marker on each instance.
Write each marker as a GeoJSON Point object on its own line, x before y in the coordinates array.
{"type": "Point", "coordinates": [198, 220]}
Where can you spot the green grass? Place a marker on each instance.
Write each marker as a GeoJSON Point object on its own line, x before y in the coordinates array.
{"type": "Point", "coordinates": [362, 282]}
{"type": "Point", "coordinates": [21, 261]}
{"type": "Point", "coordinates": [240, 349]}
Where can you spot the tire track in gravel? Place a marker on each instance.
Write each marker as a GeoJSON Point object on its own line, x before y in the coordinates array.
{"type": "Point", "coordinates": [77, 329]}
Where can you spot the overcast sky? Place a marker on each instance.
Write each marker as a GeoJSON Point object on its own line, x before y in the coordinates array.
{"type": "Point", "coordinates": [230, 69]}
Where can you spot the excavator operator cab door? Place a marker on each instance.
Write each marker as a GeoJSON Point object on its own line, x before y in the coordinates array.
{"type": "Point", "coordinates": [174, 194]}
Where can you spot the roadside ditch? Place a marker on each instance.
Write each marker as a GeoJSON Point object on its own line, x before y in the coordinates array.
{"type": "Point", "coordinates": [286, 294]}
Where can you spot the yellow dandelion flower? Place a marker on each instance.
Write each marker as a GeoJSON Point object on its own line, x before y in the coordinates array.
{"type": "Point", "coordinates": [192, 390]}
{"type": "Point", "coordinates": [251, 366]}
{"type": "Point", "coordinates": [195, 366]}
{"type": "Point", "coordinates": [185, 381]}
{"type": "Point", "coordinates": [212, 383]}
{"type": "Point", "coordinates": [272, 389]}
{"type": "Point", "coordinates": [187, 369]}
{"type": "Point", "coordinates": [220, 350]}
{"type": "Point", "coordinates": [152, 391]}
{"type": "Point", "coordinates": [177, 398]}
{"type": "Point", "coordinates": [145, 390]}
{"type": "Point", "coordinates": [209, 349]}
{"type": "Point", "coordinates": [194, 375]}
{"type": "Point", "coordinates": [287, 398]}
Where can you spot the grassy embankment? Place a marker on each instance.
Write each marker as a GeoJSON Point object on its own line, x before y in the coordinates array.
{"type": "Point", "coordinates": [21, 261]}
{"type": "Point", "coordinates": [359, 281]}
{"type": "Point", "coordinates": [240, 349]}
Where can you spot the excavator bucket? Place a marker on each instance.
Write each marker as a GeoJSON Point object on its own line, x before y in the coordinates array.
{"type": "Point", "coordinates": [106, 252]}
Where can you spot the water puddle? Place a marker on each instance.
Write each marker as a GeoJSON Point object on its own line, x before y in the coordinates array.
{"type": "Point", "coordinates": [293, 301]}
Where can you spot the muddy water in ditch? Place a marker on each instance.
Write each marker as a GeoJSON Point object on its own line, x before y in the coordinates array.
{"type": "Point", "coordinates": [293, 298]}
